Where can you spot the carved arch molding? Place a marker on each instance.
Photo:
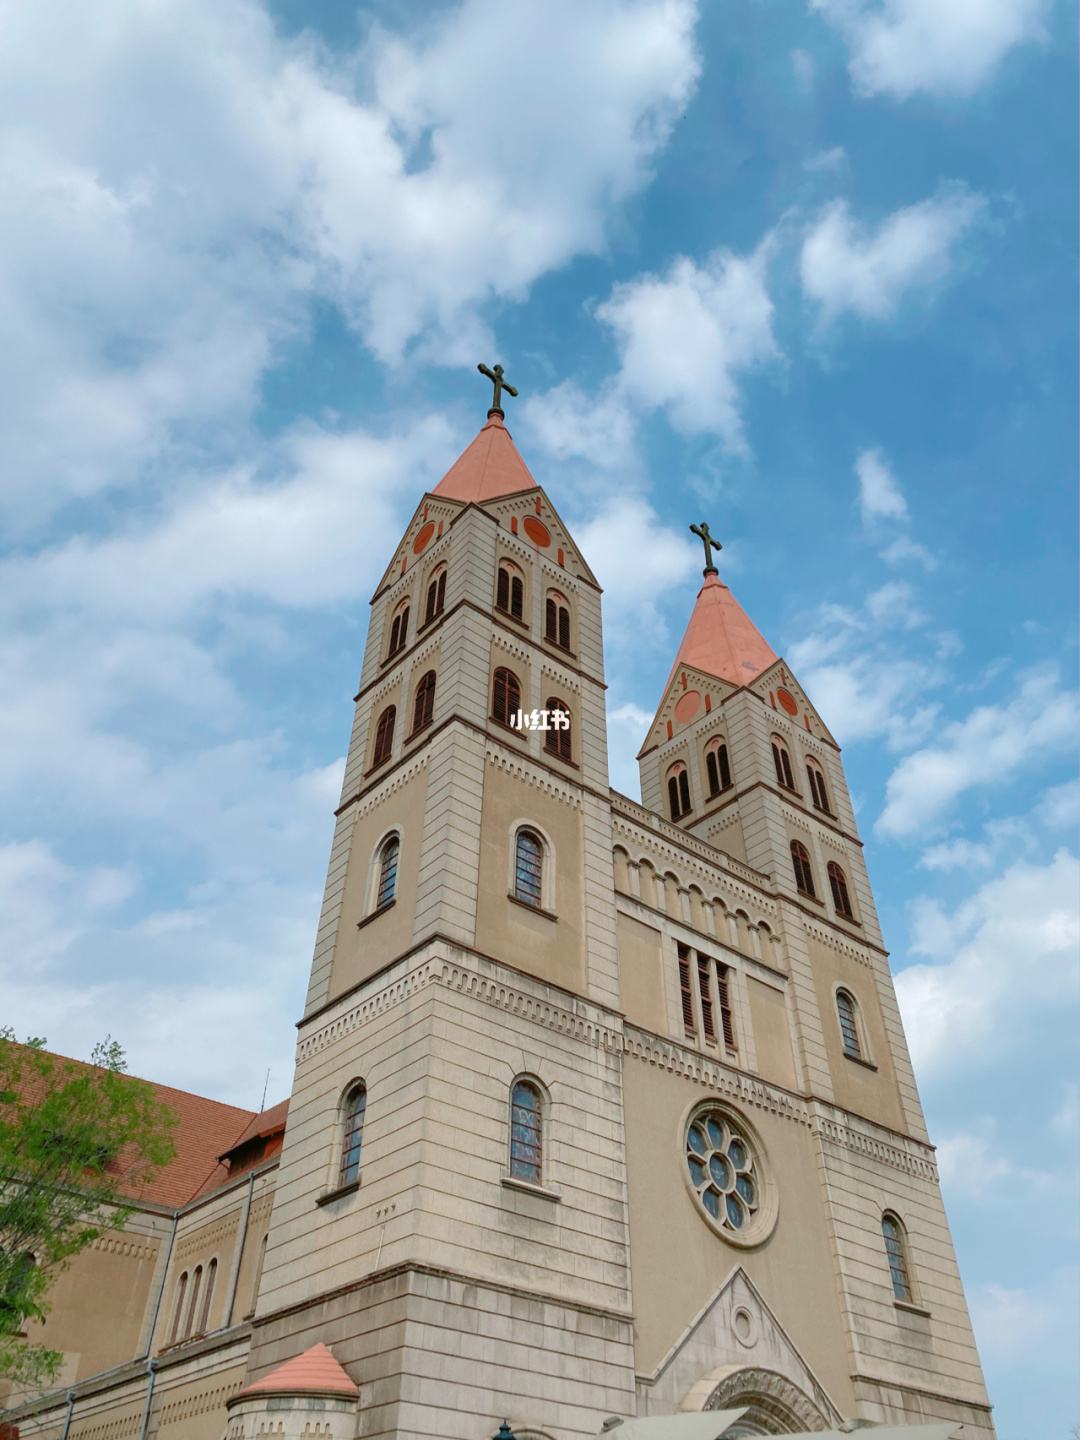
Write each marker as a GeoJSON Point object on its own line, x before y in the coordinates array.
{"type": "Point", "coordinates": [774, 1406]}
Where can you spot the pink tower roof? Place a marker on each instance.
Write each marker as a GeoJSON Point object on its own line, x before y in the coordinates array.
{"type": "Point", "coordinates": [721, 639]}
{"type": "Point", "coordinates": [315, 1372]}
{"type": "Point", "coordinates": [489, 467]}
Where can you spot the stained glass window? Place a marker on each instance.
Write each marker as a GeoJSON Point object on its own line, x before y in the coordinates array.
{"type": "Point", "coordinates": [526, 1132]}
{"type": "Point", "coordinates": [721, 1164]}
{"type": "Point", "coordinates": [529, 868]}
{"type": "Point", "coordinates": [352, 1134]}
{"type": "Point", "coordinates": [896, 1250]}
{"type": "Point", "coordinates": [388, 863]}
{"type": "Point", "coordinates": [849, 1028]}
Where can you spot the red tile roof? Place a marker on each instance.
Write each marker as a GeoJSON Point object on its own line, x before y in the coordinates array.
{"type": "Point", "coordinates": [721, 639]}
{"type": "Point", "coordinates": [315, 1372]}
{"type": "Point", "coordinates": [489, 467]}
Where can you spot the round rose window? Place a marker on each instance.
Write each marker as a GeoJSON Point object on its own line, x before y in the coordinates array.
{"type": "Point", "coordinates": [724, 1172]}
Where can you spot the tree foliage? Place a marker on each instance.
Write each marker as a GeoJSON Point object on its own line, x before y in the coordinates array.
{"type": "Point", "coordinates": [76, 1142]}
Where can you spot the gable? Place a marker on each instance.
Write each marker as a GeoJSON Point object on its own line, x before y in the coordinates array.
{"type": "Point", "coordinates": [690, 696]}
{"type": "Point", "coordinates": [783, 694]}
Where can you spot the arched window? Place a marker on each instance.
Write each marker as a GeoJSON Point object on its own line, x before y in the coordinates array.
{"type": "Point", "coordinates": [510, 590]}
{"type": "Point", "coordinates": [849, 1024]}
{"type": "Point", "coordinates": [529, 868]}
{"type": "Point", "coordinates": [196, 1285]}
{"type": "Point", "coordinates": [678, 789]}
{"type": "Point", "coordinates": [424, 701]}
{"type": "Point", "coordinates": [818, 793]}
{"type": "Point", "coordinates": [260, 1261]}
{"type": "Point", "coordinates": [389, 851]}
{"type": "Point", "coordinates": [399, 629]}
{"type": "Point", "coordinates": [384, 736]}
{"type": "Point", "coordinates": [208, 1297]}
{"type": "Point", "coordinates": [557, 741]}
{"type": "Point", "coordinates": [892, 1230]}
{"type": "Point", "coordinates": [178, 1313]}
{"type": "Point", "coordinates": [804, 876]}
{"type": "Point", "coordinates": [352, 1133]}
{"type": "Point", "coordinates": [782, 761]}
{"type": "Point", "coordinates": [526, 1132]}
{"type": "Point", "coordinates": [557, 619]}
{"type": "Point", "coordinates": [436, 594]}
{"type": "Point", "coordinates": [505, 695]}
{"type": "Point", "coordinates": [840, 896]}
{"type": "Point", "coordinates": [718, 767]}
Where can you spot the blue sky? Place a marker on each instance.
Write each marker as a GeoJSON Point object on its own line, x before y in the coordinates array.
{"type": "Point", "coordinates": [804, 270]}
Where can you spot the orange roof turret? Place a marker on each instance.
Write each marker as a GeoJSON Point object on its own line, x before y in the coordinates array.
{"type": "Point", "coordinates": [721, 639]}
{"type": "Point", "coordinates": [488, 468]}
{"type": "Point", "coordinates": [315, 1372]}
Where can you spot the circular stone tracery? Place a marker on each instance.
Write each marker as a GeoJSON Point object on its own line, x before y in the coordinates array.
{"type": "Point", "coordinates": [720, 1160]}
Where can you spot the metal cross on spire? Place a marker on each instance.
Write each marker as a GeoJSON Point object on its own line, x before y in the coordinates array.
{"type": "Point", "coordinates": [495, 375]}
{"type": "Point", "coordinates": [702, 532]}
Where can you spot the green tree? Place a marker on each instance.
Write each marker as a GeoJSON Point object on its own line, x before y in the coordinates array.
{"type": "Point", "coordinates": [77, 1141]}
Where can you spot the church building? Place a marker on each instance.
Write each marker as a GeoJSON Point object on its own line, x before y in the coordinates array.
{"type": "Point", "coordinates": [601, 1109]}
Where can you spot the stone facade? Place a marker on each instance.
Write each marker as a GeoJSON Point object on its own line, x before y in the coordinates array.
{"type": "Point", "coordinates": [454, 1292]}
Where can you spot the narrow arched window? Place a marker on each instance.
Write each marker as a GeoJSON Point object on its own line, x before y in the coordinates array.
{"type": "Point", "coordinates": [678, 788]}
{"type": "Point", "coordinates": [260, 1261]}
{"type": "Point", "coordinates": [892, 1231]}
{"type": "Point", "coordinates": [424, 701]}
{"type": "Point", "coordinates": [384, 736]}
{"type": "Point", "coordinates": [782, 761]}
{"type": "Point", "coordinates": [557, 741]}
{"type": "Point", "coordinates": [526, 1132]}
{"type": "Point", "coordinates": [717, 767]}
{"type": "Point", "coordinates": [557, 620]}
{"type": "Point", "coordinates": [849, 1024]}
{"type": "Point", "coordinates": [196, 1285]}
{"type": "Point", "coordinates": [352, 1134]}
{"type": "Point", "coordinates": [818, 793]}
{"type": "Point", "coordinates": [510, 590]}
{"type": "Point", "coordinates": [399, 629]}
{"type": "Point", "coordinates": [529, 868]}
{"type": "Point", "coordinates": [436, 594]}
{"type": "Point", "coordinates": [208, 1297]}
{"type": "Point", "coordinates": [838, 886]}
{"type": "Point", "coordinates": [178, 1313]}
{"type": "Point", "coordinates": [505, 695]}
{"type": "Point", "coordinates": [389, 851]}
{"type": "Point", "coordinates": [804, 875]}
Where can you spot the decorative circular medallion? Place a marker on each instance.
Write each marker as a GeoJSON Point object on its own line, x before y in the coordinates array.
{"type": "Point", "coordinates": [537, 531]}
{"type": "Point", "coordinates": [423, 538]}
{"type": "Point", "coordinates": [787, 701]}
{"type": "Point", "coordinates": [687, 706]}
{"type": "Point", "coordinates": [725, 1171]}
{"type": "Point", "coordinates": [745, 1326]}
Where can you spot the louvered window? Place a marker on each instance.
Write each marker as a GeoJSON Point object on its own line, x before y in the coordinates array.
{"type": "Point", "coordinates": [804, 875]}
{"type": "Point", "coordinates": [849, 1025]}
{"type": "Point", "coordinates": [557, 620]}
{"type": "Point", "coordinates": [424, 702]}
{"type": "Point", "coordinates": [388, 867]}
{"type": "Point", "coordinates": [705, 995]}
{"type": "Point", "coordinates": [727, 1021]}
{"type": "Point", "coordinates": [718, 769]}
{"type": "Point", "coordinates": [505, 695]}
{"type": "Point", "coordinates": [384, 736]}
{"type": "Point", "coordinates": [782, 762]}
{"type": "Point", "coordinates": [686, 993]}
{"type": "Point", "coordinates": [526, 1132]}
{"type": "Point", "coordinates": [678, 791]}
{"type": "Point", "coordinates": [352, 1134]}
{"type": "Point", "coordinates": [557, 741]}
{"type": "Point", "coordinates": [436, 595]}
{"type": "Point", "coordinates": [818, 793]}
{"type": "Point", "coordinates": [510, 591]}
{"type": "Point", "coordinates": [838, 886]}
{"type": "Point", "coordinates": [896, 1250]}
{"type": "Point", "coordinates": [399, 631]}
{"type": "Point", "coordinates": [529, 868]}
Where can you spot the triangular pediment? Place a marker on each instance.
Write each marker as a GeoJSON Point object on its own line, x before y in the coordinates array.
{"type": "Point", "coordinates": [780, 690]}
{"type": "Point", "coordinates": [431, 519]}
{"type": "Point", "coordinates": [691, 694]}
{"type": "Point", "coordinates": [533, 519]}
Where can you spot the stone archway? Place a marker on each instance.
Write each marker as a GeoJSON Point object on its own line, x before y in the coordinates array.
{"type": "Point", "coordinates": [773, 1404]}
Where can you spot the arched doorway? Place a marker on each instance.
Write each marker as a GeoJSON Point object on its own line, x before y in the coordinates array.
{"type": "Point", "coordinates": [773, 1404]}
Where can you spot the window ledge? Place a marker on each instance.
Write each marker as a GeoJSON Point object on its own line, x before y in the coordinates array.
{"type": "Point", "coordinates": [814, 899]}
{"type": "Point", "coordinates": [514, 619]}
{"type": "Point", "coordinates": [562, 759]}
{"type": "Point", "coordinates": [329, 1196]}
{"type": "Point", "coordinates": [375, 914]}
{"type": "Point", "coordinates": [532, 909]}
{"type": "Point", "coordinates": [529, 1187]}
{"type": "Point", "coordinates": [521, 735]}
{"type": "Point", "coordinates": [858, 1060]}
{"type": "Point", "coordinates": [418, 730]}
{"type": "Point", "coordinates": [911, 1308]}
{"type": "Point", "coordinates": [559, 649]}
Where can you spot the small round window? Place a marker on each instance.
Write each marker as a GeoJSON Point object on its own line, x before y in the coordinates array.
{"type": "Point", "coordinates": [724, 1168]}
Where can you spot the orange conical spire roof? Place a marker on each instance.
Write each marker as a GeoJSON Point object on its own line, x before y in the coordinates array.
{"type": "Point", "coordinates": [721, 639]}
{"type": "Point", "coordinates": [315, 1372]}
{"type": "Point", "coordinates": [489, 467]}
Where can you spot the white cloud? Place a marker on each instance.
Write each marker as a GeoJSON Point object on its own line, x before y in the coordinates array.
{"type": "Point", "coordinates": [1003, 958]}
{"type": "Point", "coordinates": [597, 428]}
{"type": "Point", "coordinates": [151, 269]}
{"type": "Point", "coordinates": [848, 267]}
{"type": "Point", "coordinates": [637, 560]}
{"type": "Point", "coordinates": [880, 496]}
{"type": "Point", "coordinates": [1059, 808]}
{"type": "Point", "coordinates": [901, 47]}
{"type": "Point", "coordinates": [988, 747]}
{"type": "Point", "coordinates": [904, 549]}
{"type": "Point", "coordinates": [47, 903]}
{"type": "Point", "coordinates": [686, 337]}
{"type": "Point", "coordinates": [1030, 1327]}
{"type": "Point", "coordinates": [957, 855]}
{"type": "Point", "coordinates": [627, 726]}
{"type": "Point", "coordinates": [894, 604]}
